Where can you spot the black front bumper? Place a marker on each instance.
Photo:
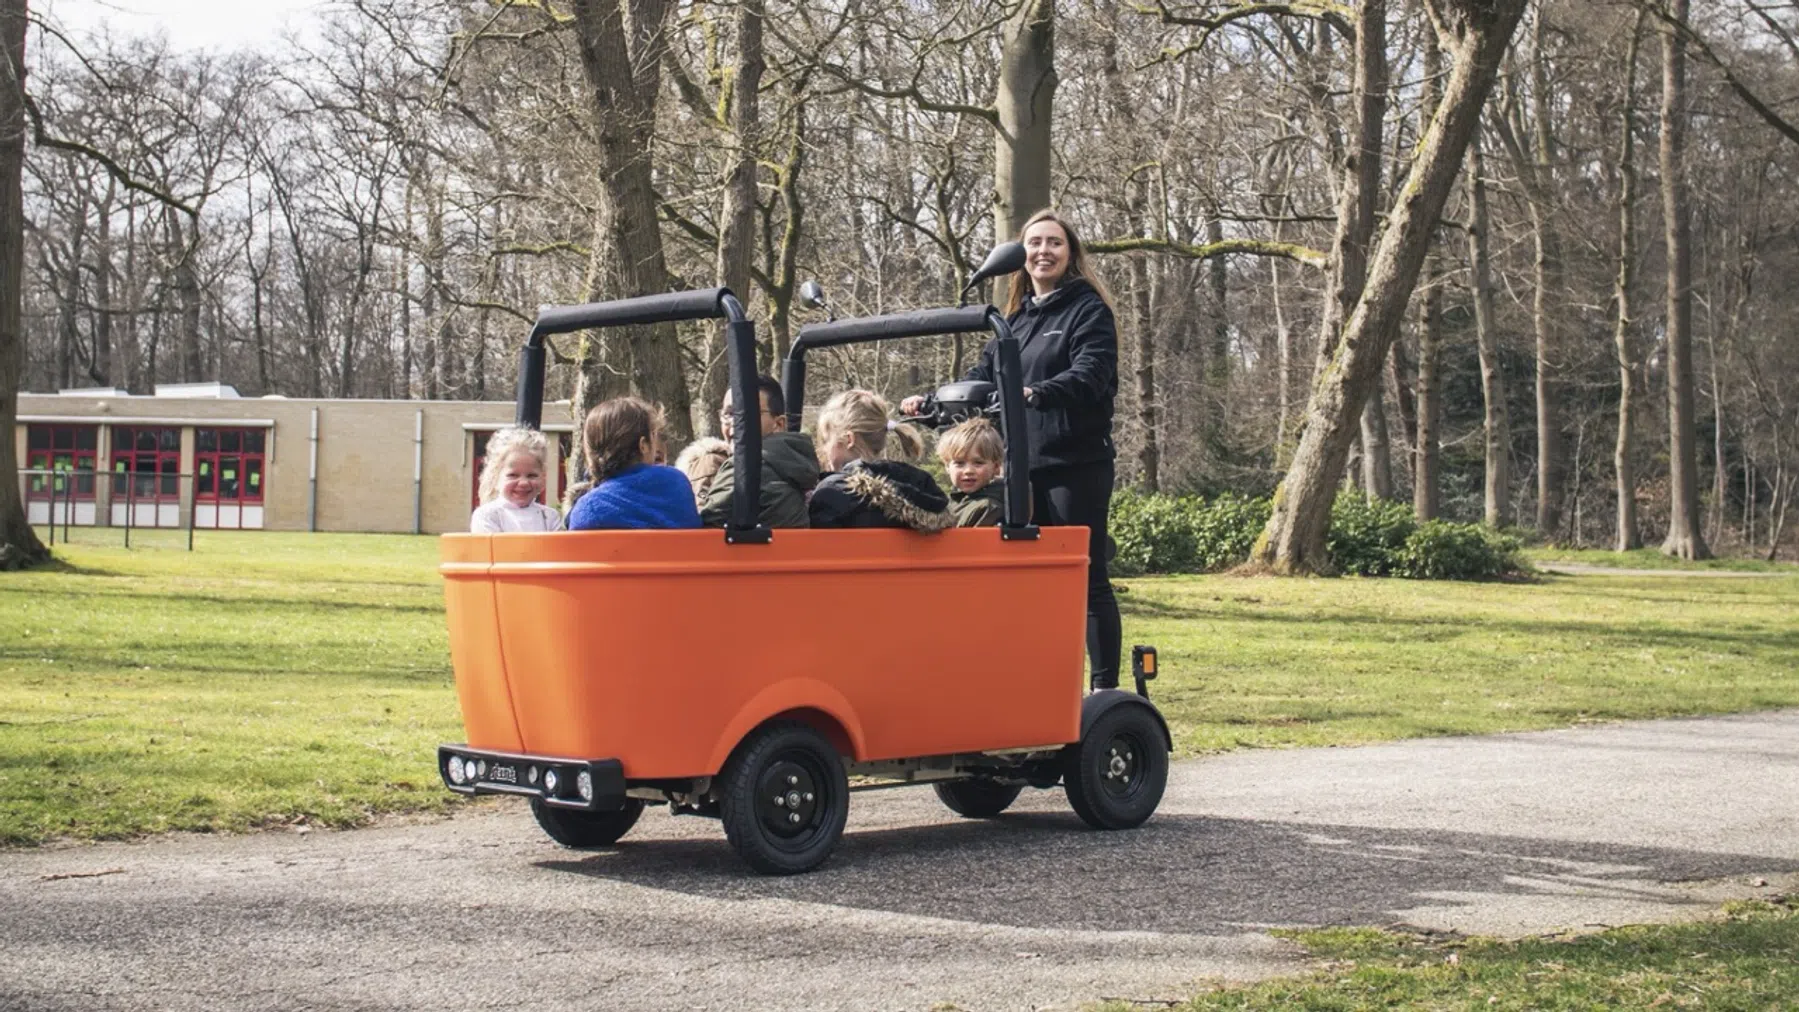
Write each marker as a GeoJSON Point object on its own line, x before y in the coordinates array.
{"type": "Point", "coordinates": [523, 775]}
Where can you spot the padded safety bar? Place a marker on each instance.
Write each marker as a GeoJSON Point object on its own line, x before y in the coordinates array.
{"type": "Point", "coordinates": [740, 340]}
{"type": "Point", "coordinates": [922, 323]}
{"type": "Point", "coordinates": [665, 308]}
{"type": "Point", "coordinates": [926, 323]}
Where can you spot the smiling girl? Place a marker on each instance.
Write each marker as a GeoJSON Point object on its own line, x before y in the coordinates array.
{"type": "Point", "coordinates": [511, 481]}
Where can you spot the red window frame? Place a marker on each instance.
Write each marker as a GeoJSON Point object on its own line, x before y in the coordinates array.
{"type": "Point", "coordinates": [239, 452]}
{"type": "Point", "coordinates": [50, 447]}
{"type": "Point", "coordinates": [146, 462]}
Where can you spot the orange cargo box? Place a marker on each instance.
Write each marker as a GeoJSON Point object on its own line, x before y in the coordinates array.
{"type": "Point", "coordinates": [663, 649]}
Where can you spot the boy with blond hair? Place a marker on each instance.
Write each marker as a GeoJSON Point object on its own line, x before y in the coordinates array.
{"type": "Point", "coordinates": [972, 454]}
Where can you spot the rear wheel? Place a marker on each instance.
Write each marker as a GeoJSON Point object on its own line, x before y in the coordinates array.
{"type": "Point", "coordinates": [1116, 773]}
{"type": "Point", "coordinates": [785, 799]}
{"type": "Point", "coordinates": [977, 799]}
{"type": "Point", "coordinates": [578, 829]}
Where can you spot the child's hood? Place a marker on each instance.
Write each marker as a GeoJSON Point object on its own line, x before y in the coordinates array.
{"type": "Point", "coordinates": [901, 491]}
{"type": "Point", "coordinates": [791, 457]}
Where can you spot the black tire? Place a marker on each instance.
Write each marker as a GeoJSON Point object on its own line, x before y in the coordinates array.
{"type": "Point", "coordinates": [1116, 773]}
{"type": "Point", "coordinates": [578, 829]}
{"type": "Point", "coordinates": [977, 799]}
{"type": "Point", "coordinates": [784, 799]}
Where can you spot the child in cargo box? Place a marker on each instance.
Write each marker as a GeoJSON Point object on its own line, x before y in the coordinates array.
{"type": "Point", "coordinates": [511, 481]}
{"type": "Point", "coordinates": [863, 489]}
{"type": "Point", "coordinates": [973, 455]}
{"type": "Point", "coordinates": [632, 489]}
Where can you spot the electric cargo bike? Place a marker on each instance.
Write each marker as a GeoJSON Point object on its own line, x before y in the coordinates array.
{"type": "Point", "coordinates": [730, 674]}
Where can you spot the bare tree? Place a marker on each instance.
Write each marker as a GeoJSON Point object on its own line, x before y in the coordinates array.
{"type": "Point", "coordinates": [1685, 539]}
{"type": "Point", "coordinates": [1477, 33]}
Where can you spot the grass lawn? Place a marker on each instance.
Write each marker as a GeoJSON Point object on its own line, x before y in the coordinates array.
{"type": "Point", "coordinates": [261, 679]}
{"type": "Point", "coordinates": [1748, 960]}
{"type": "Point", "coordinates": [266, 677]}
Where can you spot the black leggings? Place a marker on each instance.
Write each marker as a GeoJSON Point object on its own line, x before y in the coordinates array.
{"type": "Point", "coordinates": [1080, 495]}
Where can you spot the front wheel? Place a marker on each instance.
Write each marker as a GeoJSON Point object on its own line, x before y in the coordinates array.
{"type": "Point", "coordinates": [574, 828]}
{"type": "Point", "coordinates": [785, 799]}
{"type": "Point", "coordinates": [977, 799]}
{"type": "Point", "coordinates": [1116, 773]}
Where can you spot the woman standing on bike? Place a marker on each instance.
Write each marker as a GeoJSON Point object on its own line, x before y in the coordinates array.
{"type": "Point", "coordinates": [1061, 314]}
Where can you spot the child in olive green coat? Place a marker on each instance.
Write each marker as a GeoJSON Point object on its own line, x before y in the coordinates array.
{"type": "Point", "coordinates": [972, 453]}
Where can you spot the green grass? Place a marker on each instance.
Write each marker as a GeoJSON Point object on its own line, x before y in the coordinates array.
{"type": "Point", "coordinates": [1650, 558]}
{"type": "Point", "coordinates": [1265, 661]}
{"type": "Point", "coordinates": [267, 678]}
{"type": "Point", "coordinates": [261, 679]}
{"type": "Point", "coordinates": [1748, 960]}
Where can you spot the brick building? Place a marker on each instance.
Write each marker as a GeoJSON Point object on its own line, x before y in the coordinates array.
{"type": "Point", "coordinates": [287, 464]}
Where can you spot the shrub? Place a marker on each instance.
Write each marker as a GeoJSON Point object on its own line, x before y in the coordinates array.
{"type": "Point", "coordinates": [1367, 535]}
{"type": "Point", "coordinates": [1226, 528]}
{"type": "Point", "coordinates": [1168, 534]}
{"type": "Point", "coordinates": [1439, 550]}
{"type": "Point", "coordinates": [1153, 532]}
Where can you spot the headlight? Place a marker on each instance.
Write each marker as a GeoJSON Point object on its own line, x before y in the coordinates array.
{"type": "Point", "coordinates": [584, 784]}
{"type": "Point", "coordinates": [458, 775]}
{"type": "Point", "coordinates": [550, 782]}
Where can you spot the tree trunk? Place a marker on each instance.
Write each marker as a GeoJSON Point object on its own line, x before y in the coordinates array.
{"type": "Point", "coordinates": [1218, 349]}
{"type": "Point", "coordinates": [102, 369]}
{"type": "Point", "coordinates": [621, 53]}
{"type": "Point", "coordinates": [1545, 306]}
{"type": "Point", "coordinates": [1377, 454]}
{"type": "Point", "coordinates": [1497, 423]}
{"type": "Point", "coordinates": [187, 294]}
{"type": "Point", "coordinates": [1026, 97]}
{"type": "Point", "coordinates": [1293, 541]}
{"type": "Point", "coordinates": [1426, 481]}
{"type": "Point", "coordinates": [1629, 536]}
{"type": "Point", "coordinates": [19, 545]}
{"type": "Point", "coordinates": [737, 222]}
{"type": "Point", "coordinates": [1358, 195]}
{"type": "Point", "coordinates": [1685, 539]}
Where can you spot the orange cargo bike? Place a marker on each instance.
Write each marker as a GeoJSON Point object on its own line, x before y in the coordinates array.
{"type": "Point", "coordinates": [748, 675]}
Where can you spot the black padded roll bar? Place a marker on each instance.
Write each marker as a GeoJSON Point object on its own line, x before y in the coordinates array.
{"type": "Point", "coordinates": [924, 323]}
{"type": "Point", "coordinates": [740, 340]}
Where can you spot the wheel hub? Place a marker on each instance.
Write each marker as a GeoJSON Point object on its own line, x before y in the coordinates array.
{"type": "Point", "coordinates": [791, 790]}
{"type": "Point", "coordinates": [1122, 764]}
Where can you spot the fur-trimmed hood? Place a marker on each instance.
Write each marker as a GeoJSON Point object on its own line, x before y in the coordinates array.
{"type": "Point", "coordinates": [881, 493]}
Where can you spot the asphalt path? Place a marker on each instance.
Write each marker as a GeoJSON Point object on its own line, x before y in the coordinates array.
{"type": "Point", "coordinates": [1511, 834]}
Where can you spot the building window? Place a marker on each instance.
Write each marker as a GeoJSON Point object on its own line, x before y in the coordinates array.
{"type": "Point", "coordinates": [61, 448]}
{"type": "Point", "coordinates": [146, 462]}
{"type": "Point", "coordinates": [228, 470]}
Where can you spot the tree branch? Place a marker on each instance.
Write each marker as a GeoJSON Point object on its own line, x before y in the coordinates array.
{"type": "Point", "coordinates": [1229, 247]}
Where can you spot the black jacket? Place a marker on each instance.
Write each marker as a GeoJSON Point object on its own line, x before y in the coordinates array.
{"type": "Point", "coordinates": [984, 507]}
{"type": "Point", "coordinates": [1068, 345]}
{"type": "Point", "coordinates": [880, 493]}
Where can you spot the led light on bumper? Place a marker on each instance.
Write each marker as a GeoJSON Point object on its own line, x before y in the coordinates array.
{"type": "Point", "coordinates": [551, 781]}
{"type": "Point", "coordinates": [458, 775]}
{"type": "Point", "coordinates": [584, 785]}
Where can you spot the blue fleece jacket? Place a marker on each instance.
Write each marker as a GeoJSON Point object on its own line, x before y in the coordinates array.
{"type": "Point", "coordinates": [641, 497]}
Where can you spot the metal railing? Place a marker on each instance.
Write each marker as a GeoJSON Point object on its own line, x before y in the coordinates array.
{"type": "Point", "coordinates": [72, 500]}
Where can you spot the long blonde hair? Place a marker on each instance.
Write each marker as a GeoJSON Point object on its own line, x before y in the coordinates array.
{"type": "Point", "coordinates": [502, 444]}
{"type": "Point", "coordinates": [863, 414]}
{"type": "Point", "coordinates": [1020, 282]}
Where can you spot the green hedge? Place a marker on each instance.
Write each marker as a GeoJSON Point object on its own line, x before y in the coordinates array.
{"type": "Point", "coordinates": [1187, 534]}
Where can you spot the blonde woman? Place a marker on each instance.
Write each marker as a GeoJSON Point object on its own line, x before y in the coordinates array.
{"type": "Point", "coordinates": [1061, 314]}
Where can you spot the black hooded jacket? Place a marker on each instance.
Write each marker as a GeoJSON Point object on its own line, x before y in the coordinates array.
{"type": "Point", "coordinates": [1068, 345]}
{"type": "Point", "coordinates": [880, 493]}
